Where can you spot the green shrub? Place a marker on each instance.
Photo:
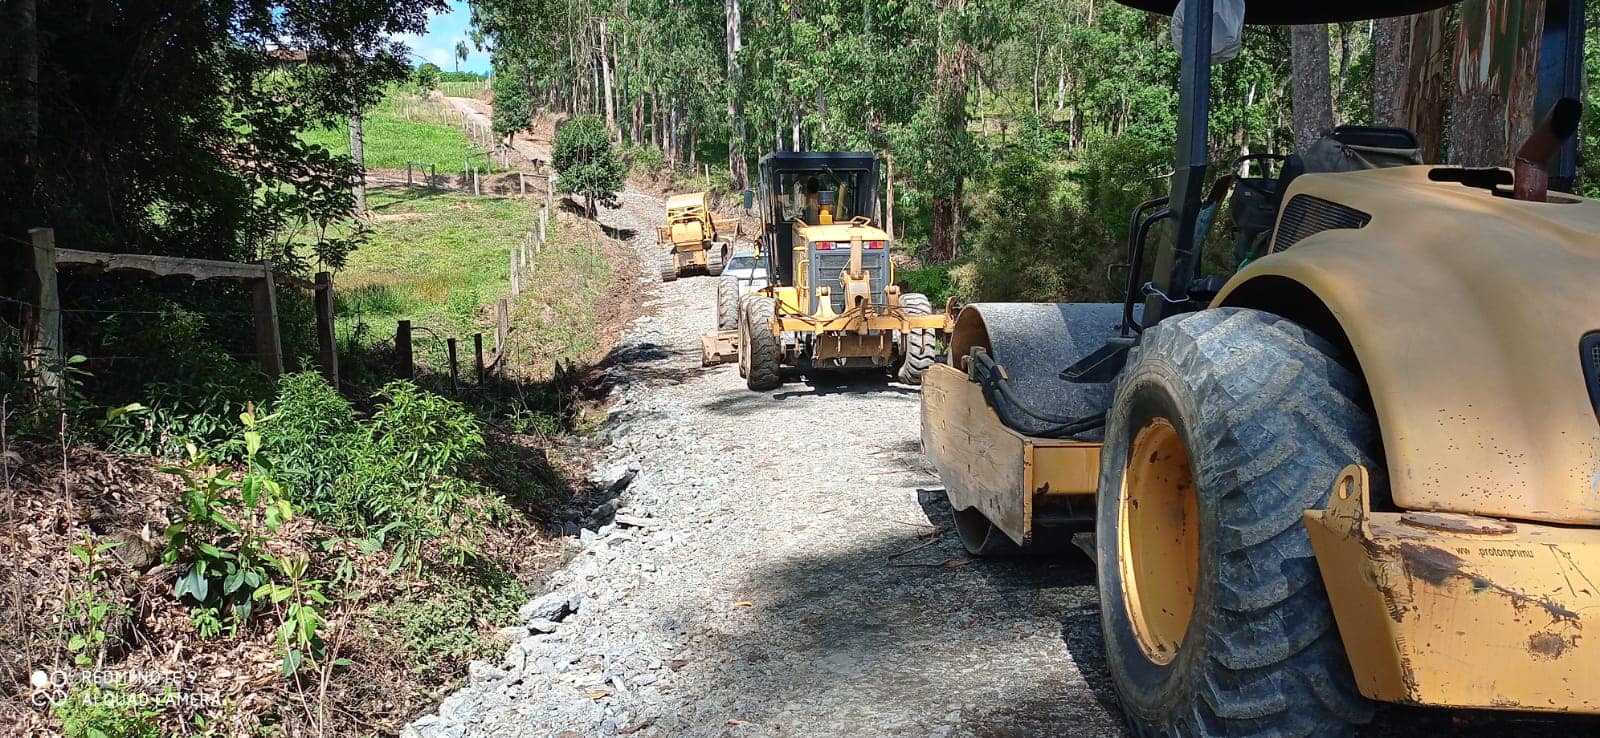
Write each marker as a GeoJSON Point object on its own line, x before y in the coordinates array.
{"type": "Point", "coordinates": [587, 161]}
{"type": "Point", "coordinates": [444, 625]}
{"type": "Point", "coordinates": [644, 161]}
{"type": "Point", "coordinates": [400, 477]}
{"type": "Point", "coordinates": [311, 435]}
{"type": "Point", "coordinates": [933, 281]}
{"type": "Point", "coordinates": [1048, 233]}
{"type": "Point", "coordinates": [219, 532]}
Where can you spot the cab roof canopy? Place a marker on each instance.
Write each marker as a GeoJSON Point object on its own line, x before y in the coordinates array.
{"type": "Point", "coordinates": [1293, 12]}
{"type": "Point", "coordinates": [807, 160]}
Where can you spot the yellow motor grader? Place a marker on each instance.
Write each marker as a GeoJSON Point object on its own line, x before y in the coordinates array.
{"type": "Point", "coordinates": [831, 302]}
{"type": "Point", "coordinates": [695, 240]}
{"type": "Point", "coordinates": [1364, 467]}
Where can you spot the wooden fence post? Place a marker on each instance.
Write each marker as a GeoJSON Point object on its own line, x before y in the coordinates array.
{"type": "Point", "coordinates": [516, 277]}
{"type": "Point", "coordinates": [455, 380]}
{"type": "Point", "coordinates": [327, 348]}
{"type": "Point", "coordinates": [408, 174]}
{"type": "Point", "coordinates": [544, 217]}
{"type": "Point", "coordinates": [269, 349]}
{"type": "Point", "coordinates": [41, 318]}
{"type": "Point", "coordinates": [502, 310]}
{"type": "Point", "coordinates": [405, 366]}
{"type": "Point", "coordinates": [522, 185]}
{"type": "Point", "coordinates": [477, 354]}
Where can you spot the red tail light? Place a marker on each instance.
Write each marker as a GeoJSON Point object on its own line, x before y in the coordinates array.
{"type": "Point", "coordinates": [876, 244]}
{"type": "Point", "coordinates": [824, 245]}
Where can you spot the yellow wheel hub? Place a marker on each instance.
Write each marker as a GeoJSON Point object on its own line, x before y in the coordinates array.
{"type": "Point", "coordinates": [1159, 540]}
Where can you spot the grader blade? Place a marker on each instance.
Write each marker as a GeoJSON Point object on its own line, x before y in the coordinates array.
{"type": "Point", "coordinates": [719, 347]}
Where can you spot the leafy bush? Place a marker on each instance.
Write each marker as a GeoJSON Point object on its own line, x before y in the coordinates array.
{"type": "Point", "coordinates": [219, 532]}
{"type": "Point", "coordinates": [443, 625]}
{"type": "Point", "coordinates": [310, 435]}
{"type": "Point", "coordinates": [588, 163]}
{"type": "Point", "coordinates": [644, 161]}
{"type": "Point", "coordinates": [513, 105]}
{"type": "Point", "coordinates": [427, 77]}
{"type": "Point", "coordinates": [399, 477]}
{"type": "Point", "coordinates": [1049, 233]}
{"type": "Point", "coordinates": [933, 281]}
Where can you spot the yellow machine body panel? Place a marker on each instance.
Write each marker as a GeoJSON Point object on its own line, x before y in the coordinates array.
{"type": "Point", "coordinates": [1465, 311]}
{"type": "Point", "coordinates": [985, 465]}
{"type": "Point", "coordinates": [1459, 610]}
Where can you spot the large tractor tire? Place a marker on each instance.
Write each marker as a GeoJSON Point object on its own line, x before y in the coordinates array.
{"type": "Point", "coordinates": [728, 304]}
{"type": "Point", "coordinates": [716, 259]}
{"type": "Point", "coordinates": [759, 356]}
{"type": "Point", "coordinates": [921, 347]}
{"type": "Point", "coordinates": [669, 268]}
{"type": "Point", "coordinates": [1227, 425]}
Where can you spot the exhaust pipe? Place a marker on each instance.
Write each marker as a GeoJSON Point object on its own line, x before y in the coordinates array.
{"type": "Point", "coordinates": [1532, 164]}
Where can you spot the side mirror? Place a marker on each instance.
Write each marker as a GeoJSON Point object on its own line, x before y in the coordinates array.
{"type": "Point", "coordinates": [749, 199]}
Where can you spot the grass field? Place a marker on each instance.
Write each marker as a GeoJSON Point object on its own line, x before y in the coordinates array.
{"type": "Point", "coordinates": [435, 258]}
{"type": "Point", "coordinates": [404, 128]}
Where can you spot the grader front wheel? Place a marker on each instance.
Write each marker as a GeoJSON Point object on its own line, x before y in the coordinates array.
{"type": "Point", "coordinates": [1227, 425]}
{"type": "Point", "coordinates": [759, 352]}
{"type": "Point", "coordinates": [920, 349]}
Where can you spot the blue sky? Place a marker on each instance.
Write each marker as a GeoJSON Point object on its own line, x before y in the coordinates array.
{"type": "Point", "coordinates": [439, 43]}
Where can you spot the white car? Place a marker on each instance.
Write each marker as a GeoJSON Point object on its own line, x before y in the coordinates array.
{"type": "Point", "coordinates": [743, 274]}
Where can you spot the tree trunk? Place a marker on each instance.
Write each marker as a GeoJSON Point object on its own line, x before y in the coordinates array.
{"type": "Point", "coordinates": [1496, 58]}
{"type": "Point", "coordinates": [1425, 83]}
{"type": "Point", "coordinates": [25, 91]}
{"type": "Point", "coordinates": [607, 71]}
{"type": "Point", "coordinates": [1345, 29]}
{"type": "Point", "coordinates": [358, 180]}
{"type": "Point", "coordinates": [950, 97]}
{"type": "Point", "coordinates": [738, 167]}
{"type": "Point", "coordinates": [1313, 107]}
{"type": "Point", "coordinates": [1390, 51]}
{"type": "Point", "coordinates": [888, 192]}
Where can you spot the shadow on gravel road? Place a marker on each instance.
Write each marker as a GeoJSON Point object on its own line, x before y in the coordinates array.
{"type": "Point", "coordinates": [818, 384]}
{"type": "Point", "coordinates": [906, 628]}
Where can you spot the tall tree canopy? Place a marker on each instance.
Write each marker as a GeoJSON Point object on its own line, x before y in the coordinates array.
{"type": "Point", "coordinates": [152, 127]}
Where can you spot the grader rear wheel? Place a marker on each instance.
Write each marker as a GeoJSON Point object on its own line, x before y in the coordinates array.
{"type": "Point", "coordinates": [1228, 424]}
{"type": "Point", "coordinates": [728, 304]}
{"type": "Point", "coordinates": [716, 259]}
{"type": "Point", "coordinates": [920, 348]}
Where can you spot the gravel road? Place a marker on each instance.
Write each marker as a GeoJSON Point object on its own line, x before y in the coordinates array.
{"type": "Point", "coordinates": [778, 566]}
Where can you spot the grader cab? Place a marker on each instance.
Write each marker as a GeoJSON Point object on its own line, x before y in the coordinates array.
{"type": "Point", "coordinates": [1364, 467]}
{"type": "Point", "coordinates": [695, 240]}
{"type": "Point", "coordinates": [831, 302]}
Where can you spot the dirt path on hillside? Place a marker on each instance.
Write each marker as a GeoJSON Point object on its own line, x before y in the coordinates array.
{"type": "Point", "coordinates": [533, 150]}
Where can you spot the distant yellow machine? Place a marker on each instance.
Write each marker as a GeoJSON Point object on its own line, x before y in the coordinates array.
{"type": "Point", "coordinates": [831, 303]}
{"type": "Point", "coordinates": [1363, 467]}
{"type": "Point", "coordinates": [695, 240]}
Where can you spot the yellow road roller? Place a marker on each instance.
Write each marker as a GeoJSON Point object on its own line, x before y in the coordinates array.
{"type": "Point", "coordinates": [1364, 467]}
